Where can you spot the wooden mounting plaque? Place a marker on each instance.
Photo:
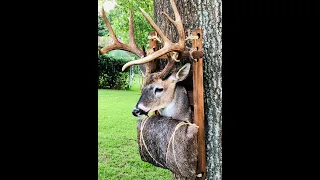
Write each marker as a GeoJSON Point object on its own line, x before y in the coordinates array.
{"type": "Point", "coordinates": [198, 103]}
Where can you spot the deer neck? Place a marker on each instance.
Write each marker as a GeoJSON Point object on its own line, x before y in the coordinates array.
{"type": "Point", "coordinates": [179, 107]}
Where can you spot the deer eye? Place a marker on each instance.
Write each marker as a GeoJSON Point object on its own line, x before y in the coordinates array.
{"type": "Point", "coordinates": [157, 90]}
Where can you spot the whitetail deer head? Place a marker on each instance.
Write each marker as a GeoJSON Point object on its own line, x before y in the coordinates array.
{"type": "Point", "coordinates": [160, 91]}
{"type": "Point", "coordinates": [165, 95]}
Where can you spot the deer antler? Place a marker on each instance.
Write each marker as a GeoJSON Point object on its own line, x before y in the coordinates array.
{"type": "Point", "coordinates": [168, 46]}
{"type": "Point", "coordinates": [170, 65]}
{"type": "Point", "coordinates": [131, 47]}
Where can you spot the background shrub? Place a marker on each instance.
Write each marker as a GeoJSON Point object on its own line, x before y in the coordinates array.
{"type": "Point", "coordinates": [110, 75]}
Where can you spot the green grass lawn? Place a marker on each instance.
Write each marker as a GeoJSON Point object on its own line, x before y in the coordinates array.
{"type": "Point", "coordinates": [118, 155]}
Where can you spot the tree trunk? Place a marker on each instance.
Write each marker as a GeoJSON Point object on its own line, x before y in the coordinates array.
{"type": "Point", "coordinates": [208, 16]}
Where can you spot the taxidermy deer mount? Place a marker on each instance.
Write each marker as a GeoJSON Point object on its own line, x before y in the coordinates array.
{"type": "Point", "coordinates": [159, 90]}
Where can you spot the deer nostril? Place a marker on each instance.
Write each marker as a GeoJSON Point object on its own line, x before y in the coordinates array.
{"type": "Point", "coordinates": [135, 112]}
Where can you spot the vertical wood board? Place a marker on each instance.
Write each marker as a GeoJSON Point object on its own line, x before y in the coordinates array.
{"type": "Point", "coordinates": [198, 102]}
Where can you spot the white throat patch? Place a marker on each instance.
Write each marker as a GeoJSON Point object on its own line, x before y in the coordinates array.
{"type": "Point", "coordinates": [168, 111]}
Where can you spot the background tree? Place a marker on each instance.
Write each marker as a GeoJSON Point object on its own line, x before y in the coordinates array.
{"type": "Point", "coordinates": [208, 16]}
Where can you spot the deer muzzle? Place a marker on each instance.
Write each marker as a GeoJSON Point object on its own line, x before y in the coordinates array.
{"type": "Point", "coordinates": [138, 112]}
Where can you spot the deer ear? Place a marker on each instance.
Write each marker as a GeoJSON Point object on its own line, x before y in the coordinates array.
{"type": "Point", "coordinates": [183, 72]}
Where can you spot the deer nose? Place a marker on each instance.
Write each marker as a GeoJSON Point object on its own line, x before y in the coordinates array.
{"type": "Point", "coordinates": [138, 112]}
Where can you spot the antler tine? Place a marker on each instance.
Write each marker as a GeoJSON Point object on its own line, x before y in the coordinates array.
{"type": "Point", "coordinates": [170, 65]}
{"type": "Point", "coordinates": [168, 46]}
{"type": "Point", "coordinates": [131, 31]}
{"type": "Point", "coordinates": [175, 11]}
{"type": "Point", "coordinates": [177, 23]}
{"type": "Point", "coordinates": [155, 27]}
{"type": "Point", "coordinates": [131, 47]}
{"type": "Point", "coordinates": [110, 29]}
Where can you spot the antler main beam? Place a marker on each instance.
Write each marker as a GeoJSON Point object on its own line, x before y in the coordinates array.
{"type": "Point", "coordinates": [168, 46]}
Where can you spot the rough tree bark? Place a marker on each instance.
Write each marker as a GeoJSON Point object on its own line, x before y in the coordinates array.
{"type": "Point", "coordinates": [206, 14]}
